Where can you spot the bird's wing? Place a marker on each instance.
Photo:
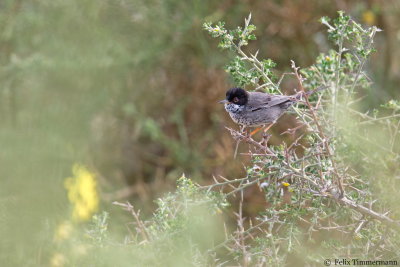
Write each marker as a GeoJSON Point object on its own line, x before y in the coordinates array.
{"type": "Point", "coordinates": [258, 100]}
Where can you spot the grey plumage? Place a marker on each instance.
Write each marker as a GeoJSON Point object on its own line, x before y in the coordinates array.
{"type": "Point", "coordinates": [252, 109]}
{"type": "Point", "coordinates": [261, 109]}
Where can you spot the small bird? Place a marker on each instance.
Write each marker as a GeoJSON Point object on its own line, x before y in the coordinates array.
{"type": "Point", "coordinates": [252, 109]}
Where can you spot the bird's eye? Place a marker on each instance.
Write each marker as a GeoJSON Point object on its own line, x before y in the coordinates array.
{"type": "Point", "coordinates": [235, 100]}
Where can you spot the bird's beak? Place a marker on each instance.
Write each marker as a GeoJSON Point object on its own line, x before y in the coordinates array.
{"type": "Point", "coordinates": [223, 101]}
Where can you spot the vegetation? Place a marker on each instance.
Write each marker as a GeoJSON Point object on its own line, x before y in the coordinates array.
{"type": "Point", "coordinates": [323, 201]}
{"type": "Point", "coordinates": [120, 97]}
{"type": "Point", "coordinates": [321, 189]}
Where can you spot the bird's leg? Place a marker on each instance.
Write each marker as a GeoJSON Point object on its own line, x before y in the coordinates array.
{"type": "Point", "coordinates": [265, 139]}
{"type": "Point", "coordinates": [266, 128]}
{"type": "Point", "coordinates": [265, 135]}
{"type": "Point", "coordinates": [255, 131]}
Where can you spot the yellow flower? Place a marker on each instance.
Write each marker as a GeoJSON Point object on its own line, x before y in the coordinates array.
{"type": "Point", "coordinates": [63, 231]}
{"type": "Point", "coordinates": [82, 193]}
{"type": "Point", "coordinates": [285, 184]}
{"type": "Point", "coordinates": [327, 58]}
{"type": "Point", "coordinates": [57, 260]}
{"type": "Point", "coordinates": [369, 17]}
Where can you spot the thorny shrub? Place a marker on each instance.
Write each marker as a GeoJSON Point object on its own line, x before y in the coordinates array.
{"type": "Point", "coordinates": [330, 191]}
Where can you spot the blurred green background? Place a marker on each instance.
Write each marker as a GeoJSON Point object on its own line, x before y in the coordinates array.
{"type": "Point", "coordinates": [130, 88]}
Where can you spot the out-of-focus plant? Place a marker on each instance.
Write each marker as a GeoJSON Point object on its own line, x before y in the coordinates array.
{"type": "Point", "coordinates": [184, 226]}
{"type": "Point", "coordinates": [178, 213]}
{"type": "Point", "coordinates": [82, 193]}
{"type": "Point", "coordinates": [98, 229]}
{"type": "Point", "coordinates": [71, 243]}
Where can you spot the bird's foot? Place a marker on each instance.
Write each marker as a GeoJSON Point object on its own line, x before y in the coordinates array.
{"type": "Point", "coordinates": [265, 139]}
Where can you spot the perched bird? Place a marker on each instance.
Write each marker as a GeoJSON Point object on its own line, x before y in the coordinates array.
{"type": "Point", "coordinates": [252, 109]}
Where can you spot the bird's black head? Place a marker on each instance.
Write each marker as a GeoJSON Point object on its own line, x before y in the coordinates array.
{"type": "Point", "coordinates": [237, 96]}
